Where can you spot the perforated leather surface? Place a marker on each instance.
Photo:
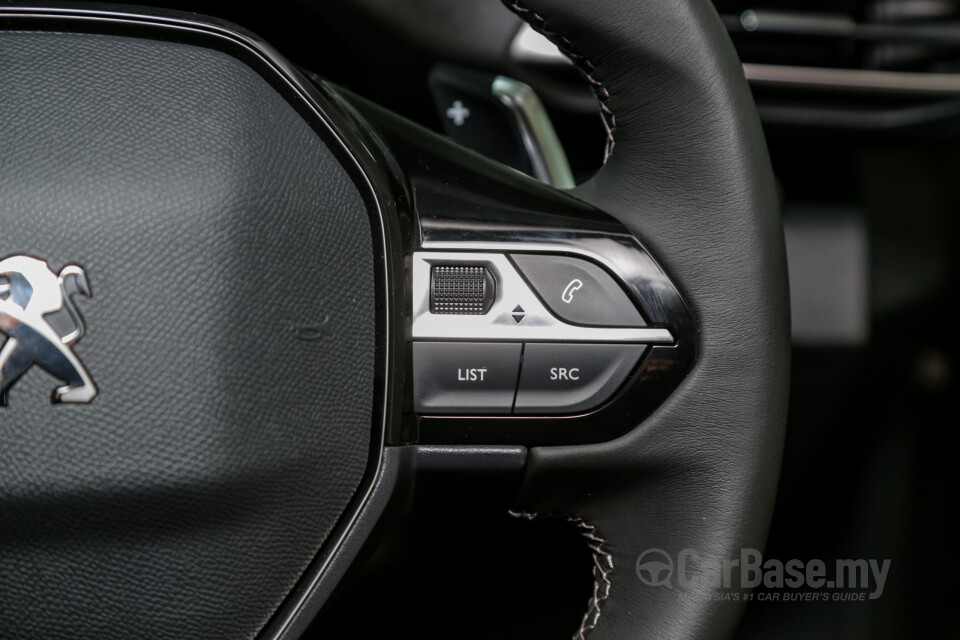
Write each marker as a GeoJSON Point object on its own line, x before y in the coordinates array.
{"type": "Point", "coordinates": [231, 333]}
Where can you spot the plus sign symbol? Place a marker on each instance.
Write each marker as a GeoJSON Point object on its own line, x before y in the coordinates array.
{"type": "Point", "coordinates": [458, 113]}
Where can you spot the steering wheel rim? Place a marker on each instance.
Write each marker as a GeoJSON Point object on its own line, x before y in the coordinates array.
{"type": "Point", "coordinates": [686, 173]}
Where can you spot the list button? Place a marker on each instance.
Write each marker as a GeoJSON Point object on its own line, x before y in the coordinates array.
{"type": "Point", "coordinates": [468, 378]}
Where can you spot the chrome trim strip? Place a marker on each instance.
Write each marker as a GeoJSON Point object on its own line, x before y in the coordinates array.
{"type": "Point", "coordinates": [824, 79]}
{"type": "Point", "coordinates": [538, 324]}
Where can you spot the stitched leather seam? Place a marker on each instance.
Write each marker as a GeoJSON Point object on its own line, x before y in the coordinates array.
{"type": "Point", "coordinates": [587, 68]}
{"type": "Point", "coordinates": [602, 566]}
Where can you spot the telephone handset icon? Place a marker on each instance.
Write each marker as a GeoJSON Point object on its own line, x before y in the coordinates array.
{"type": "Point", "coordinates": [567, 295]}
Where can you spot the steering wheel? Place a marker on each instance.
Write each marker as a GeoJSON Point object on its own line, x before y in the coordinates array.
{"type": "Point", "coordinates": [292, 298]}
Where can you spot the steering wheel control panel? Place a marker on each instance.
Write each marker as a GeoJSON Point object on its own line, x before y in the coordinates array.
{"type": "Point", "coordinates": [525, 334]}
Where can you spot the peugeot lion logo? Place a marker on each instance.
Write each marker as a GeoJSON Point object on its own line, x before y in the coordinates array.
{"type": "Point", "coordinates": [41, 322]}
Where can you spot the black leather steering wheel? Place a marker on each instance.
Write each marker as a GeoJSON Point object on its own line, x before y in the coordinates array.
{"type": "Point", "coordinates": [251, 238]}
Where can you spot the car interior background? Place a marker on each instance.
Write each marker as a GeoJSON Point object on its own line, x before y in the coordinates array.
{"type": "Point", "coordinates": [860, 106]}
{"type": "Point", "coordinates": [867, 172]}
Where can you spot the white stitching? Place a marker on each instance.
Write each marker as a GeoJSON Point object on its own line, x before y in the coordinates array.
{"type": "Point", "coordinates": [586, 68]}
{"type": "Point", "coordinates": [602, 566]}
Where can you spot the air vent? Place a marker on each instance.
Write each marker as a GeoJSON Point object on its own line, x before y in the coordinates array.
{"type": "Point", "coordinates": [880, 35]}
{"type": "Point", "coordinates": [917, 36]}
{"type": "Point", "coordinates": [866, 65]}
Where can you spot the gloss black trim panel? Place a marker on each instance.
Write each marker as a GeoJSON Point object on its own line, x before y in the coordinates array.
{"type": "Point", "coordinates": [458, 201]}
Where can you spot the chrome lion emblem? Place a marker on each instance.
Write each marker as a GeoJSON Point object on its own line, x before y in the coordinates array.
{"type": "Point", "coordinates": [41, 323]}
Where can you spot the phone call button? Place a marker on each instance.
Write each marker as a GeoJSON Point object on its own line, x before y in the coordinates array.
{"type": "Point", "coordinates": [578, 291]}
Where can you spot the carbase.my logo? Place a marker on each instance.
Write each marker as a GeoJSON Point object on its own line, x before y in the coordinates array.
{"type": "Point", "coordinates": [655, 568]}
{"type": "Point", "coordinates": [690, 570]}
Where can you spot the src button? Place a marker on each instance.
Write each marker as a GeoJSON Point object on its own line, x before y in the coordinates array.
{"type": "Point", "coordinates": [578, 291]}
{"type": "Point", "coordinates": [569, 378]}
